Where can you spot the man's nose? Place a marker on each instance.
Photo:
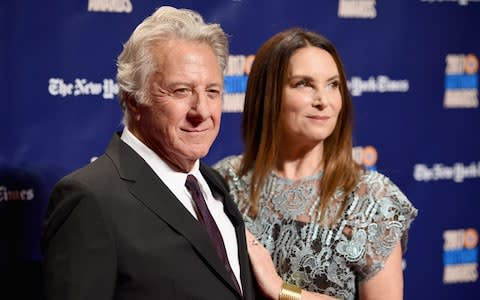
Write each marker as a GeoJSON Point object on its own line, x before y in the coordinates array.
{"type": "Point", "coordinates": [199, 105]}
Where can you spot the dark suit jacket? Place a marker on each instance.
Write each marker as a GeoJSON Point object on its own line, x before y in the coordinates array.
{"type": "Point", "coordinates": [113, 230]}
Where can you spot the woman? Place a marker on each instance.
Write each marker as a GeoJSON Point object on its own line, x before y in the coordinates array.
{"type": "Point", "coordinates": [330, 227]}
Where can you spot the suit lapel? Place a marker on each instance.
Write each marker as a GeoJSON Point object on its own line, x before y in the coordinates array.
{"type": "Point", "coordinates": [146, 187]}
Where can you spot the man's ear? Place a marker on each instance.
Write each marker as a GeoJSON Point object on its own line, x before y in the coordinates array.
{"type": "Point", "coordinates": [133, 108]}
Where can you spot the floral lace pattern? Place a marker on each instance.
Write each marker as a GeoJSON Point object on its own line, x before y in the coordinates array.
{"type": "Point", "coordinates": [329, 259]}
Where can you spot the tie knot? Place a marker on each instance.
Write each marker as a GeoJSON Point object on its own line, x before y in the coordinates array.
{"type": "Point", "coordinates": [191, 182]}
{"type": "Point", "coordinates": [193, 187]}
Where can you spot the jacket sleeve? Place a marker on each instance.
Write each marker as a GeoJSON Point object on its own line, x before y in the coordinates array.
{"type": "Point", "coordinates": [78, 248]}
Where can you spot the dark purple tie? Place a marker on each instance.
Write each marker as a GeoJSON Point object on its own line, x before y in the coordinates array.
{"type": "Point", "coordinates": [205, 218]}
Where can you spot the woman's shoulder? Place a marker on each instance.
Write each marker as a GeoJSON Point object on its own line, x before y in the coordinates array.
{"type": "Point", "coordinates": [229, 168]}
{"type": "Point", "coordinates": [228, 165]}
{"type": "Point", "coordinates": [376, 183]}
{"type": "Point", "coordinates": [381, 191]}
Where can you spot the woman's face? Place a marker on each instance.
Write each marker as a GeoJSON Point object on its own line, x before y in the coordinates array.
{"type": "Point", "coordinates": [311, 98]}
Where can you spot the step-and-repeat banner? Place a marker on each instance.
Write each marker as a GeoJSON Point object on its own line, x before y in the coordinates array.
{"type": "Point", "coordinates": [412, 69]}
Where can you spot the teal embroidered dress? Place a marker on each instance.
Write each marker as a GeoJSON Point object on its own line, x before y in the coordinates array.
{"type": "Point", "coordinates": [328, 259]}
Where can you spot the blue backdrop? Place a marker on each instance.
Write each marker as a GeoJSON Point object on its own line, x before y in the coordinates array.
{"type": "Point", "coordinates": [412, 67]}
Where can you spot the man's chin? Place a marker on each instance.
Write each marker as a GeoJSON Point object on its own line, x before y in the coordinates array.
{"type": "Point", "coordinates": [196, 153]}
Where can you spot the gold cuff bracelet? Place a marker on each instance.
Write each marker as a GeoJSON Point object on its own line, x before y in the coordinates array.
{"type": "Point", "coordinates": [290, 292]}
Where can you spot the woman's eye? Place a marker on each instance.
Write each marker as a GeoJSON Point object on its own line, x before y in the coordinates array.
{"type": "Point", "coordinates": [303, 83]}
{"type": "Point", "coordinates": [334, 84]}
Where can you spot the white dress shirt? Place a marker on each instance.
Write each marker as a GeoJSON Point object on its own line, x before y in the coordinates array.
{"type": "Point", "coordinates": [175, 181]}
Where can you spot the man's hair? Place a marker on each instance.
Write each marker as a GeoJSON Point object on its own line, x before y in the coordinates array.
{"type": "Point", "coordinates": [135, 63]}
{"type": "Point", "coordinates": [261, 117]}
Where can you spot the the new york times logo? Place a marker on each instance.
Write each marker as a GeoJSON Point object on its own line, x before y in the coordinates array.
{"type": "Point", "coordinates": [15, 194]}
{"type": "Point", "coordinates": [116, 6]}
{"type": "Point", "coordinates": [378, 84]}
{"type": "Point", "coordinates": [82, 87]}
{"type": "Point", "coordinates": [457, 172]}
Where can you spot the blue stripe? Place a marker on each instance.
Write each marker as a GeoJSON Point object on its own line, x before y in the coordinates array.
{"type": "Point", "coordinates": [235, 84]}
{"type": "Point", "coordinates": [463, 256]}
{"type": "Point", "coordinates": [461, 81]}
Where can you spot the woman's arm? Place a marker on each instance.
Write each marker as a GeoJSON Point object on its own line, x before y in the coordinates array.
{"type": "Point", "coordinates": [388, 282]}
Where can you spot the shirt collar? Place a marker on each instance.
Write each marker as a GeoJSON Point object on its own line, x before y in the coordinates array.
{"type": "Point", "coordinates": [173, 179]}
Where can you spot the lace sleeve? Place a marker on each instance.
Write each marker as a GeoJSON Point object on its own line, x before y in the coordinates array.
{"type": "Point", "coordinates": [388, 215]}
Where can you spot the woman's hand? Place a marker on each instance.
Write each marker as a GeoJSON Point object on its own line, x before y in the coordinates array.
{"type": "Point", "coordinates": [265, 273]}
{"type": "Point", "coordinates": [267, 278]}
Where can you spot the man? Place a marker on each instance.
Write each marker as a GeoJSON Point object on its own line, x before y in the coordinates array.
{"type": "Point", "coordinates": [128, 225]}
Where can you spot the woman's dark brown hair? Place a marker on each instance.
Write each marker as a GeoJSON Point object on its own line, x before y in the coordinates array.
{"type": "Point", "coordinates": [261, 118]}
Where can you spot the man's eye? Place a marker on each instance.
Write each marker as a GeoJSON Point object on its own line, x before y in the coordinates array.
{"type": "Point", "coordinates": [213, 93]}
{"type": "Point", "coordinates": [182, 92]}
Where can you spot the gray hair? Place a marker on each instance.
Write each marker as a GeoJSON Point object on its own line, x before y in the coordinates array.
{"type": "Point", "coordinates": [135, 63]}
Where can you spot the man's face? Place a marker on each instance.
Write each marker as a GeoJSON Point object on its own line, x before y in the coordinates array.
{"type": "Point", "coordinates": [182, 119]}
